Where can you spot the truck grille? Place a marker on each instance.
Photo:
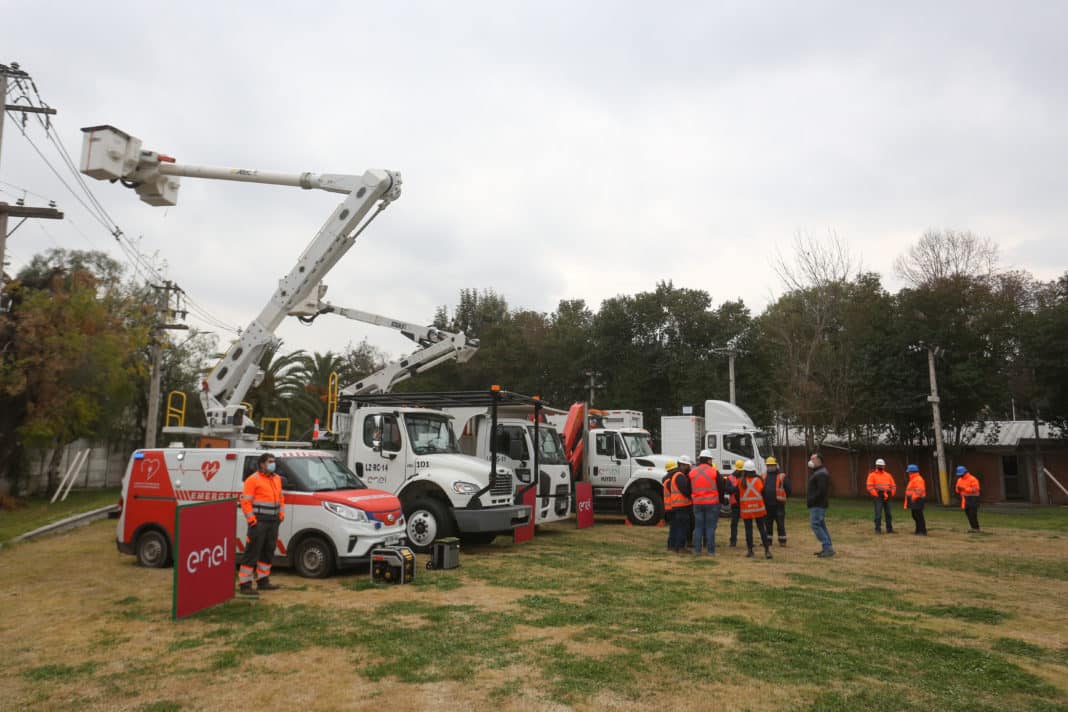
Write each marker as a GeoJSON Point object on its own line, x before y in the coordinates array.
{"type": "Point", "coordinates": [502, 485]}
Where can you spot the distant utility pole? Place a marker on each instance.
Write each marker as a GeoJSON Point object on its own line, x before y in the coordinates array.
{"type": "Point", "coordinates": [731, 353]}
{"type": "Point", "coordinates": [592, 378]}
{"type": "Point", "coordinates": [936, 412]}
{"type": "Point", "coordinates": [19, 210]}
{"type": "Point", "coordinates": [164, 292]}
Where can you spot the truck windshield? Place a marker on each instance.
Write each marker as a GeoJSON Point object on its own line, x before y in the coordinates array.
{"type": "Point", "coordinates": [430, 433]}
{"type": "Point", "coordinates": [317, 474]}
{"type": "Point", "coordinates": [550, 451]}
{"type": "Point", "coordinates": [763, 445]}
{"type": "Point", "coordinates": [638, 444]}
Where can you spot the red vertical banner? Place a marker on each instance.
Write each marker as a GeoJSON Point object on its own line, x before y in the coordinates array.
{"type": "Point", "coordinates": [204, 538]}
{"type": "Point", "coordinates": [584, 504]}
{"type": "Point", "coordinates": [526, 532]}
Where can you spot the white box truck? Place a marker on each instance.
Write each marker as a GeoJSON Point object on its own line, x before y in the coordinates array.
{"type": "Point", "coordinates": [731, 435]}
{"type": "Point", "coordinates": [682, 435]}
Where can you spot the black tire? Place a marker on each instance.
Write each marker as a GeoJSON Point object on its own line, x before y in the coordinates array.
{"type": "Point", "coordinates": [314, 558]}
{"type": "Point", "coordinates": [479, 539]}
{"type": "Point", "coordinates": [644, 507]}
{"type": "Point", "coordinates": [427, 520]}
{"type": "Point", "coordinates": [153, 550]}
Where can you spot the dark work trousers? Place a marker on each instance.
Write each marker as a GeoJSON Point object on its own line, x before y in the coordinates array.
{"type": "Point", "coordinates": [883, 505]}
{"type": "Point", "coordinates": [259, 550]}
{"type": "Point", "coordinates": [921, 522]}
{"type": "Point", "coordinates": [736, 513]}
{"type": "Point", "coordinates": [972, 512]}
{"type": "Point", "coordinates": [777, 517]}
{"type": "Point", "coordinates": [765, 538]}
{"type": "Point", "coordinates": [681, 528]}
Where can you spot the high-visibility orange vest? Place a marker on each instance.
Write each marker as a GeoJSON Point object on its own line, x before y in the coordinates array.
{"type": "Point", "coordinates": [703, 483]}
{"type": "Point", "coordinates": [752, 499]}
{"type": "Point", "coordinates": [262, 496]}
{"type": "Point", "coordinates": [780, 488]}
{"type": "Point", "coordinates": [678, 499]}
{"type": "Point", "coordinates": [967, 486]}
{"type": "Point", "coordinates": [880, 482]}
{"type": "Point", "coordinates": [916, 489]}
{"type": "Point", "coordinates": [735, 482]}
{"type": "Point", "coordinates": [667, 493]}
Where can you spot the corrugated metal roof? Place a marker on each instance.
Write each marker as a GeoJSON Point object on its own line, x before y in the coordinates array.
{"type": "Point", "coordinates": [993, 433]}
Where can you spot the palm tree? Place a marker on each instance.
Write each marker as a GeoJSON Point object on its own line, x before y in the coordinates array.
{"type": "Point", "coordinates": [282, 394]}
{"type": "Point", "coordinates": [314, 372]}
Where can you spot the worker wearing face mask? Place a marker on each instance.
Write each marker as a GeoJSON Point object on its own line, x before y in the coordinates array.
{"type": "Point", "coordinates": [263, 505]}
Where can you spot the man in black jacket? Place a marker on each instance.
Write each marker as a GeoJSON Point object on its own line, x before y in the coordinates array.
{"type": "Point", "coordinates": [819, 484]}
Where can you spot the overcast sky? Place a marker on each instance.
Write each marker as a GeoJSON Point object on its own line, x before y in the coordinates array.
{"type": "Point", "coordinates": [553, 150]}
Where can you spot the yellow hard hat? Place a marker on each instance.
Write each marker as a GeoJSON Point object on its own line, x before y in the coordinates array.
{"type": "Point", "coordinates": [670, 465]}
{"type": "Point", "coordinates": [771, 461]}
{"type": "Point", "coordinates": [739, 464]}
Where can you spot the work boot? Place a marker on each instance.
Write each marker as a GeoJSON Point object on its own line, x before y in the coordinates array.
{"type": "Point", "coordinates": [767, 552]}
{"type": "Point", "coordinates": [246, 589]}
{"type": "Point", "coordinates": [782, 542]}
{"type": "Point", "coordinates": [826, 554]}
{"type": "Point", "coordinates": [889, 530]}
{"type": "Point", "coordinates": [750, 554]}
{"type": "Point", "coordinates": [264, 584]}
{"type": "Point", "coordinates": [734, 543]}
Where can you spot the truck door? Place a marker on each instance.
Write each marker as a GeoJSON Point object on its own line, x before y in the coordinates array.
{"type": "Point", "coordinates": [509, 438]}
{"type": "Point", "coordinates": [609, 463]}
{"type": "Point", "coordinates": [382, 461]}
{"type": "Point", "coordinates": [736, 446]}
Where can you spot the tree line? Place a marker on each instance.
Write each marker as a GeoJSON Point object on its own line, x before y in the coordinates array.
{"type": "Point", "coordinates": [836, 352]}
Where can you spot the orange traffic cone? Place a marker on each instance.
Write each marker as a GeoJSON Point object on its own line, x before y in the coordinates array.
{"type": "Point", "coordinates": [315, 430]}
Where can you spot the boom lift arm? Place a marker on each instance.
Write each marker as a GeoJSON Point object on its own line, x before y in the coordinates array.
{"type": "Point", "coordinates": [110, 154]}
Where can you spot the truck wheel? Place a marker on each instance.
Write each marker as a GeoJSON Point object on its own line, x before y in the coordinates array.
{"type": "Point", "coordinates": [427, 520]}
{"type": "Point", "coordinates": [643, 508]}
{"type": "Point", "coordinates": [314, 558]}
{"type": "Point", "coordinates": [153, 549]}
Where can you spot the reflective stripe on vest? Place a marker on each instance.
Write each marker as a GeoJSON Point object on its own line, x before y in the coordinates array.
{"type": "Point", "coordinates": [780, 488]}
{"type": "Point", "coordinates": [667, 495]}
{"type": "Point", "coordinates": [678, 499]}
{"type": "Point", "coordinates": [752, 500]}
{"type": "Point", "coordinates": [703, 481]}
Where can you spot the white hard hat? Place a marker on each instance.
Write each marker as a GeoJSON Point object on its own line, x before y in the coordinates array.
{"type": "Point", "coordinates": [706, 453]}
{"type": "Point", "coordinates": [749, 466]}
{"type": "Point", "coordinates": [685, 460]}
{"type": "Point", "coordinates": [880, 462]}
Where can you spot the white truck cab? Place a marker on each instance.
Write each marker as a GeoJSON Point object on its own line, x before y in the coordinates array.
{"type": "Point", "coordinates": [515, 447]}
{"type": "Point", "coordinates": [731, 435]}
{"type": "Point", "coordinates": [413, 453]}
{"type": "Point", "coordinates": [332, 519]}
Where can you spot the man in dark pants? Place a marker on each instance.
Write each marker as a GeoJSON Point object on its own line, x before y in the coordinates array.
{"type": "Point", "coordinates": [776, 490]}
{"type": "Point", "coordinates": [915, 497]}
{"type": "Point", "coordinates": [669, 498]}
{"type": "Point", "coordinates": [734, 482]}
{"type": "Point", "coordinates": [263, 504]}
{"type": "Point", "coordinates": [817, 495]}
{"type": "Point", "coordinates": [881, 487]}
{"type": "Point", "coordinates": [968, 488]}
{"type": "Point", "coordinates": [682, 505]}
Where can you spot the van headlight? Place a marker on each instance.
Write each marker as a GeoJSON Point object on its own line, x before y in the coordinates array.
{"type": "Point", "coordinates": [346, 512]}
{"type": "Point", "coordinates": [461, 487]}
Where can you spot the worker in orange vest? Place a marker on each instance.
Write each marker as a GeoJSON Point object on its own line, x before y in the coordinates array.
{"type": "Point", "coordinates": [671, 468]}
{"type": "Point", "coordinates": [733, 483]}
{"type": "Point", "coordinates": [751, 502]}
{"type": "Point", "coordinates": [915, 497]}
{"type": "Point", "coordinates": [968, 489]}
{"type": "Point", "coordinates": [681, 504]}
{"type": "Point", "coordinates": [263, 505]}
{"type": "Point", "coordinates": [881, 487]}
{"type": "Point", "coordinates": [704, 491]}
{"type": "Point", "coordinates": [776, 490]}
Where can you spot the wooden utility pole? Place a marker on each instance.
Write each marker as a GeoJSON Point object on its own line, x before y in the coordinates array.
{"type": "Point", "coordinates": [936, 413]}
{"type": "Point", "coordinates": [18, 211]}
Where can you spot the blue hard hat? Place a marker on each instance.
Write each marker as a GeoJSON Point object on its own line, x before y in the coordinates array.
{"type": "Point", "coordinates": [912, 468]}
{"type": "Point", "coordinates": [961, 469]}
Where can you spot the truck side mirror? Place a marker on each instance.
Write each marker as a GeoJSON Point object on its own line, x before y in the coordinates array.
{"type": "Point", "coordinates": [515, 449]}
{"type": "Point", "coordinates": [376, 445]}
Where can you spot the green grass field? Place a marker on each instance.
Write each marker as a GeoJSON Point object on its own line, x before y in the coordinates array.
{"type": "Point", "coordinates": [38, 511]}
{"type": "Point", "coordinates": [594, 619]}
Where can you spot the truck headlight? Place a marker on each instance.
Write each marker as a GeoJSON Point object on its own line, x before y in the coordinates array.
{"type": "Point", "coordinates": [465, 487]}
{"type": "Point", "coordinates": [346, 512]}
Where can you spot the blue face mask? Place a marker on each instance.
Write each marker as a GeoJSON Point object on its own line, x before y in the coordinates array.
{"type": "Point", "coordinates": [270, 466]}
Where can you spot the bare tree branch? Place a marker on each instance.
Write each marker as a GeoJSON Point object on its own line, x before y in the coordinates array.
{"type": "Point", "coordinates": [941, 255]}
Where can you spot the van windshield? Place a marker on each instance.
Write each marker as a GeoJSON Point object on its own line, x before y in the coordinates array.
{"type": "Point", "coordinates": [550, 451]}
{"type": "Point", "coordinates": [638, 444]}
{"type": "Point", "coordinates": [763, 444]}
{"type": "Point", "coordinates": [317, 474]}
{"type": "Point", "coordinates": [430, 433]}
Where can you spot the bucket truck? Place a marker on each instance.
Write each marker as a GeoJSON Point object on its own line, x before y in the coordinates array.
{"type": "Point", "coordinates": [482, 502]}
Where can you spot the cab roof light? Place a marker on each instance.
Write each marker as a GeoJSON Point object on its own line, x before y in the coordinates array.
{"type": "Point", "coordinates": [139, 455]}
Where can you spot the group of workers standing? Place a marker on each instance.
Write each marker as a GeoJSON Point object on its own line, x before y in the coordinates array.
{"type": "Point", "coordinates": [697, 495]}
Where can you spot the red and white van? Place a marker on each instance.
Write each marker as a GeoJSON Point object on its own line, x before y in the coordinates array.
{"type": "Point", "coordinates": [332, 518]}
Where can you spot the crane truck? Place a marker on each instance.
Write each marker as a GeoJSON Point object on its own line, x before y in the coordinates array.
{"type": "Point", "coordinates": [114, 155]}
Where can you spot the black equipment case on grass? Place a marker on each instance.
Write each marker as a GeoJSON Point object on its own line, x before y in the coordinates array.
{"type": "Point", "coordinates": [392, 564]}
{"type": "Point", "coordinates": [444, 554]}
